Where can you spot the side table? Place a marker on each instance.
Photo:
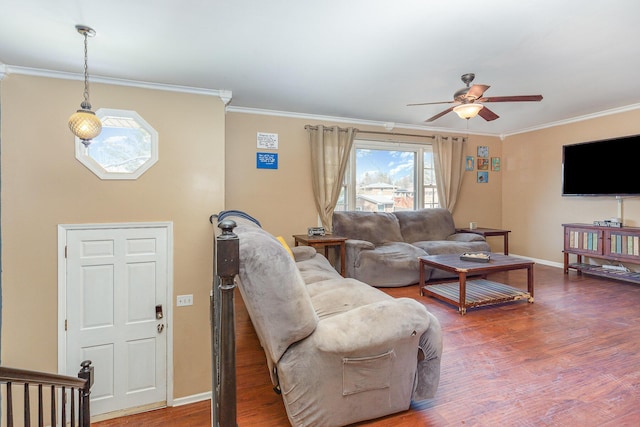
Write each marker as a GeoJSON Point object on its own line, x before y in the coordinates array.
{"type": "Point", "coordinates": [325, 242]}
{"type": "Point", "coordinates": [488, 232]}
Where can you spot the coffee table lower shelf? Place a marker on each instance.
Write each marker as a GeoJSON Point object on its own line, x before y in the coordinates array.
{"type": "Point", "coordinates": [479, 292]}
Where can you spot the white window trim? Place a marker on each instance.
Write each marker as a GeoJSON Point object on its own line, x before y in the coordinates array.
{"type": "Point", "coordinates": [96, 168]}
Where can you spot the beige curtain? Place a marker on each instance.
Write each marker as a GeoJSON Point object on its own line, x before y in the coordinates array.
{"type": "Point", "coordinates": [449, 167]}
{"type": "Point", "coordinates": [330, 148]}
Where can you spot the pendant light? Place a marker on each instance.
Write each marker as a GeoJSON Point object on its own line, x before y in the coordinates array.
{"type": "Point", "coordinates": [84, 123]}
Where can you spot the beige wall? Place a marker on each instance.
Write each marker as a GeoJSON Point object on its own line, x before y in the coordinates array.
{"type": "Point", "coordinates": [482, 203]}
{"type": "Point", "coordinates": [43, 185]}
{"type": "Point", "coordinates": [532, 205]}
{"type": "Point", "coordinates": [206, 164]}
{"type": "Point", "coordinates": [523, 197]}
{"type": "Point", "coordinates": [282, 199]}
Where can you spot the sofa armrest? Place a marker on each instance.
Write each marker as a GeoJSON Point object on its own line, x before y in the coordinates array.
{"type": "Point", "coordinates": [303, 253]}
{"type": "Point", "coordinates": [372, 326]}
{"type": "Point", "coordinates": [356, 244]}
{"type": "Point", "coordinates": [466, 237]}
{"type": "Point", "coordinates": [353, 249]}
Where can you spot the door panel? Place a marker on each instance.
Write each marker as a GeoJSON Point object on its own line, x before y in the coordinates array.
{"type": "Point", "coordinates": [115, 279]}
{"type": "Point", "coordinates": [103, 387]}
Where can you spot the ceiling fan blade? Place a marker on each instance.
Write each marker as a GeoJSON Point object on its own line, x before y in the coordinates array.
{"type": "Point", "coordinates": [431, 103]}
{"type": "Point", "coordinates": [517, 98]}
{"type": "Point", "coordinates": [487, 114]}
{"type": "Point", "coordinates": [437, 116]}
{"type": "Point", "coordinates": [476, 91]}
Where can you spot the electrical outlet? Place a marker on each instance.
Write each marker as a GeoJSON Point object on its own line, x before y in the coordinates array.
{"type": "Point", "coordinates": [183, 300]}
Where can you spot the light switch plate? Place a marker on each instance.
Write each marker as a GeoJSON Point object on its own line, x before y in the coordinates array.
{"type": "Point", "coordinates": [183, 300]}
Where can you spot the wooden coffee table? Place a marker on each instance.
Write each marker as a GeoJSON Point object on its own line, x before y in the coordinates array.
{"type": "Point", "coordinates": [476, 291]}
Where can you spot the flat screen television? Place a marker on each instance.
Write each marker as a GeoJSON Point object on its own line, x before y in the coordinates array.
{"type": "Point", "coordinates": [609, 167]}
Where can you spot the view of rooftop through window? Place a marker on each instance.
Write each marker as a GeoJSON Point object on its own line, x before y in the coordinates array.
{"type": "Point", "coordinates": [385, 180]}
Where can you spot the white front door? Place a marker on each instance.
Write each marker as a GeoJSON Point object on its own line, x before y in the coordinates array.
{"type": "Point", "coordinates": [116, 288]}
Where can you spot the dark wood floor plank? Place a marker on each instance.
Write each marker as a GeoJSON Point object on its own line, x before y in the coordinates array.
{"type": "Point", "coordinates": [570, 358]}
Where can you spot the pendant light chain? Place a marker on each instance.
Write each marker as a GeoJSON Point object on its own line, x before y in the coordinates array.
{"type": "Point", "coordinates": [84, 123]}
{"type": "Point", "coordinates": [86, 105]}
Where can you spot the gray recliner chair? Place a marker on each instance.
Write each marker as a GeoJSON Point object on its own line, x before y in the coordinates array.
{"type": "Point", "coordinates": [339, 350]}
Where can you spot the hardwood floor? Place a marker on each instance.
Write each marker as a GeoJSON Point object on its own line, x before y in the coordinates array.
{"type": "Point", "coordinates": [571, 358]}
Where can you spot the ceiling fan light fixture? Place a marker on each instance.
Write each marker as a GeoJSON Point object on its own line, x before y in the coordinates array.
{"type": "Point", "coordinates": [468, 111]}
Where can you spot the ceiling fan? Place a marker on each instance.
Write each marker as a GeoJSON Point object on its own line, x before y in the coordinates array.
{"type": "Point", "coordinates": [470, 100]}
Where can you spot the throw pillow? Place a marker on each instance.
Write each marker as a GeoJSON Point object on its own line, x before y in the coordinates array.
{"type": "Point", "coordinates": [281, 240]}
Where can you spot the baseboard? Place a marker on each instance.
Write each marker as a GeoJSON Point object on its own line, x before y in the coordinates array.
{"type": "Point", "coordinates": [128, 411]}
{"type": "Point", "coordinates": [191, 399]}
{"type": "Point", "coordinates": [540, 261]}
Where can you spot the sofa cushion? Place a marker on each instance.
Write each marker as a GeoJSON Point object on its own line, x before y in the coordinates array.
{"type": "Point", "coordinates": [374, 227]}
{"type": "Point", "coordinates": [334, 296]}
{"type": "Point", "coordinates": [425, 224]}
{"type": "Point", "coordinates": [440, 247]}
{"type": "Point", "coordinates": [316, 268]}
{"type": "Point", "coordinates": [391, 264]}
{"type": "Point", "coordinates": [269, 274]}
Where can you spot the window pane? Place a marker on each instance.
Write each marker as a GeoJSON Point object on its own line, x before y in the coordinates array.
{"type": "Point", "coordinates": [341, 204]}
{"type": "Point", "coordinates": [385, 180]}
{"type": "Point", "coordinates": [430, 189]}
{"type": "Point", "coordinates": [122, 147]}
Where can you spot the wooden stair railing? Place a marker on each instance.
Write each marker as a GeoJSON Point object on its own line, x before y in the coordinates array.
{"type": "Point", "coordinates": [226, 265]}
{"type": "Point", "coordinates": [56, 383]}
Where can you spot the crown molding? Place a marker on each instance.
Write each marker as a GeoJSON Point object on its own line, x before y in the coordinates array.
{"type": "Point", "coordinates": [224, 95]}
{"type": "Point", "coordinates": [227, 95]}
{"type": "Point", "coordinates": [384, 125]}
{"type": "Point", "coordinates": [574, 120]}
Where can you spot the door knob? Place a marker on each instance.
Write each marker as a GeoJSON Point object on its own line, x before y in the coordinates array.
{"type": "Point", "coordinates": [160, 328]}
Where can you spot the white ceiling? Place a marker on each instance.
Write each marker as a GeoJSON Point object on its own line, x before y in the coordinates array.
{"type": "Point", "coordinates": [356, 59]}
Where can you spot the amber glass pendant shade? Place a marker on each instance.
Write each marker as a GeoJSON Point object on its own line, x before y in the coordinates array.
{"type": "Point", "coordinates": [85, 125]}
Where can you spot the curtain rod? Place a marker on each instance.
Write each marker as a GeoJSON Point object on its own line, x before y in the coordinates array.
{"type": "Point", "coordinates": [330, 129]}
{"type": "Point", "coordinates": [395, 134]}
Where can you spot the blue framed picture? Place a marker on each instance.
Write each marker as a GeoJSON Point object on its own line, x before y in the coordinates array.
{"type": "Point", "coordinates": [469, 163]}
{"type": "Point", "coordinates": [483, 177]}
{"type": "Point", "coordinates": [267, 160]}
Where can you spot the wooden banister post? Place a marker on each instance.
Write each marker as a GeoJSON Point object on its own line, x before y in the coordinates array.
{"type": "Point", "coordinates": [227, 265]}
{"type": "Point", "coordinates": [86, 373]}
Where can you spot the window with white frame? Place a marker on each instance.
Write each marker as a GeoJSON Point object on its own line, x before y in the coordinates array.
{"type": "Point", "coordinates": [388, 177]}
{"type": "Point", "coordinates": [125, 149]}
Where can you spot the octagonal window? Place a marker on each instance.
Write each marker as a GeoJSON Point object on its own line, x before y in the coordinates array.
{"type": "Point", "coordinates": [125, 149]}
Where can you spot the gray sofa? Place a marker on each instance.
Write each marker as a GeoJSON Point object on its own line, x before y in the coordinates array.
{"type": "Point", "coordinates": [339, 350]}
{"type": "Point", "coordinates": [383, 247]}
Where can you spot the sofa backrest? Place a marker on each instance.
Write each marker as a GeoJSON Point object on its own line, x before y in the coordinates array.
{"type": "Point", "coordinates": [425, 224]}
{"type": "Point", "coordinates": [273, 291]}
{"type": "Point", "coordinates": [374, 227]}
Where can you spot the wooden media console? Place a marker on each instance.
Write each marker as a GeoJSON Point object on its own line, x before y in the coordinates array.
{"type": "Point", "coordinates": [613, 244]}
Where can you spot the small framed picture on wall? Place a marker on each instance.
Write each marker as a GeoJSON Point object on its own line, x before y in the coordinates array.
{"type": "Point", "coordinates": [483, 164]}
{"type": "Point", "coordinates": [495, 164]}
{"type": "Point", "coordinates": [483, 151]}
{"type": "Point", "coordinates": [483, 177]}
{"type": "Point", "coordinates": [469, 164]}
